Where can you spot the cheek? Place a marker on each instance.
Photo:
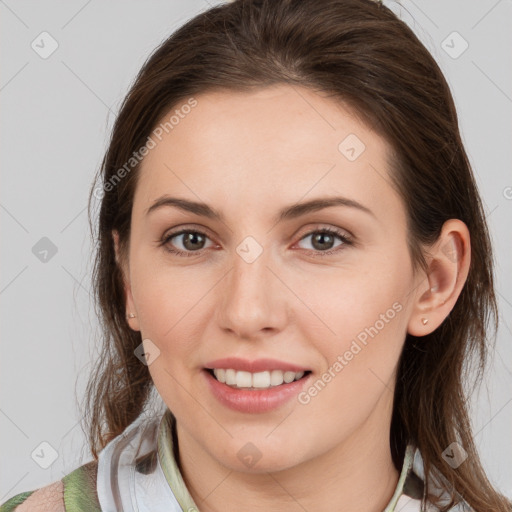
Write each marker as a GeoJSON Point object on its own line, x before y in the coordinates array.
{"type": "Point", "coordinates": [347, 303]}
{"type": "Point", "coordinates": [169, 308]}
{"type": "Point", "coordinates": [167, 297]}
{"type": "Point", "coordinates": [169, 303]}
{"type": "Point", "coordinates": [359, 360]}
{"type": "Point", "coordinates": [357, 320]}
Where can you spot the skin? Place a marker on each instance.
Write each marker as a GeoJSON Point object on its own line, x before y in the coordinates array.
{"type": "Point", "coordinates": [248, 155]}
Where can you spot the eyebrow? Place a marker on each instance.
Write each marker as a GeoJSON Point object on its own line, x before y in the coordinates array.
{"type": "Point", "coordinates": [287, 213]}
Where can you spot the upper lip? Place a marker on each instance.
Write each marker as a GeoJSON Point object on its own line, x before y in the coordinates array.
{"type": "Point", "coordinates": [258, 365]}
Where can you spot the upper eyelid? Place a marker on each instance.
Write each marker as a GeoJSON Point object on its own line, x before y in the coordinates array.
{"type": "Point", "coordinates": [319, 226]}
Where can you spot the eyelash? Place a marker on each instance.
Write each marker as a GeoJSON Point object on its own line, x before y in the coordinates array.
{"type": "Point", "coordinates": [329, 231]}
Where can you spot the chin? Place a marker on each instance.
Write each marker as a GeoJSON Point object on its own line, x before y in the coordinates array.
{"type": "Point", "coordinates": [259, 457]}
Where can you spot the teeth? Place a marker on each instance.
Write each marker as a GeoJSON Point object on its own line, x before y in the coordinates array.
{"type": "Point", "coordinates": [289, 377]}
{"type": "Point", "coordinates": [221, 375]}
{"type": "Point", "coordinates": [276, 378]}
{"type": "Point", "coordinates": [243, 380]}
{"type": "Point", "coordinates": [260, 380]}
{"type": "Point", "coordinates": [230, 377]}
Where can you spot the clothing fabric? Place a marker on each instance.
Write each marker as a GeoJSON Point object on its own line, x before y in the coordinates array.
{"type": "Point", "coordinates": [137, 472]}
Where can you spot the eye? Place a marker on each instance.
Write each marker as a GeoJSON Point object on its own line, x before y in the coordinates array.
{"type": "Point", "coordinates": [191, 240]}
{"type": "Point", "coordinates": [322, 241]}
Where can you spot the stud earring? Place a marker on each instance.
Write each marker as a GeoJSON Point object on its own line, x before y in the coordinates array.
{"type": "Point", "coordinates": [424, 321]}
{"type": "Point", "coordinates": [131, 315]}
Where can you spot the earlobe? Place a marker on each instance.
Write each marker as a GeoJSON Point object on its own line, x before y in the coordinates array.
{"type": "Point", "coordinates": [131, 315]}
{"type": "Point", "coordinates": [448, 267]}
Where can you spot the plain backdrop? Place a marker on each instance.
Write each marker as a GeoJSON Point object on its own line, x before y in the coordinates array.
{"type": "Point", "coordinates": [57, 111]}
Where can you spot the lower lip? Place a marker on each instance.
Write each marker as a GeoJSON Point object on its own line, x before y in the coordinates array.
{"type": "Point", "coordinates": [254, 401]}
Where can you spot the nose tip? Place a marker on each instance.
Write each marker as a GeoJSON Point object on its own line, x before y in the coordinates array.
{"type": "Point", "coordinates": [250, 301]}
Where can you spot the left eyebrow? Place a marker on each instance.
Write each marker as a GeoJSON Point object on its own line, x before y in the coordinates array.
{"type": "Point", "coordinates": [296, 210]}
{"type": "Point", "coordinates": [287, 213]}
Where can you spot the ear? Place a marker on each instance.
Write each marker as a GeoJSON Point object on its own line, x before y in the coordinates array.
{"type": "Point", "coordinates": [448, 267]}
{"type": "Point", "coordinates": [125, 272]}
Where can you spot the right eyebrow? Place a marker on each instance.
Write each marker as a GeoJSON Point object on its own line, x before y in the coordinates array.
{"type": "Point", "coordinates": [201, 209]}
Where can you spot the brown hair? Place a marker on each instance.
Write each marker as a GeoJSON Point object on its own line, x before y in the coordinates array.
{"type": "Point", "coordinates": [358, 52]}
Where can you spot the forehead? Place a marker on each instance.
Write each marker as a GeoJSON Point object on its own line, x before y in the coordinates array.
{"type": "Point", "coordinates": [276, 144]}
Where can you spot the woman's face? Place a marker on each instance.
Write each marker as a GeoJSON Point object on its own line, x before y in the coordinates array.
{"type": "Point", "coordinates": [256, 284]}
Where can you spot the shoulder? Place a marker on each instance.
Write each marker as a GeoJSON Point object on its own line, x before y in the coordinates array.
{"type": "Point", "coordinates": [45, 499]}
{"type": "Point", "coordinates": [76, 492]}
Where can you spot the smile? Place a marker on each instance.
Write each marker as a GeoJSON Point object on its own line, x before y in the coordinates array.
{"type": "Point", "coordinates": [259, 380]}
{"type": "Point", "coordinates": [273, 392]}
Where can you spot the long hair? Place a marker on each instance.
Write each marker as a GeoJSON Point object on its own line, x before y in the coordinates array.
{"type": "Point", "coordinates": [362, 54]}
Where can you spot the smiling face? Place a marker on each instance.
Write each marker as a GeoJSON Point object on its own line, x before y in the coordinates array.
{"type": "Point", "coordinates": [260, 278]}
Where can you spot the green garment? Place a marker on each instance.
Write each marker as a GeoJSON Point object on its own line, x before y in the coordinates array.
{"type": "Point", "coordinates": [81, 485]}
{"type": "Point", "coordinates": [79, 491]}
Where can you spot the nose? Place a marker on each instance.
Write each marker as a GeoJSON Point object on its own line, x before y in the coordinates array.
{"type": "Point", "coordinates": [253, 300]}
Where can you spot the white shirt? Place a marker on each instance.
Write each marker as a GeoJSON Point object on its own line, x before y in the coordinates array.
{"type": "Point", "coordinates": [137, 472]}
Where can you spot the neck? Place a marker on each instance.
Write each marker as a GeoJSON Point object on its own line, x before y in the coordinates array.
{"type": "Point", "coordinates": [357, 474]}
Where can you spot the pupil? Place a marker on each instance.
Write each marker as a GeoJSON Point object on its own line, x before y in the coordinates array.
{"type": "Point", "coordinates": [321, 236]}
{"type": "Point", "coordinates": [191, 237]}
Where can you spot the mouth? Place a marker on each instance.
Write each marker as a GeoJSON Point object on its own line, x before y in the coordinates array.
{"type": "Point", "coordinates": [257, 386]}
{"type": "Point", "coordinates": [254, 381]}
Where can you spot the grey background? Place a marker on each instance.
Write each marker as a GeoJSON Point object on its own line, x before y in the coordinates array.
{"type": "Point", "coordinates": [56, 116]}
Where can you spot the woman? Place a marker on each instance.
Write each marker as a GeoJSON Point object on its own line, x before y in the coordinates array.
{"type": "Point", "coordinates": [310, 350]}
